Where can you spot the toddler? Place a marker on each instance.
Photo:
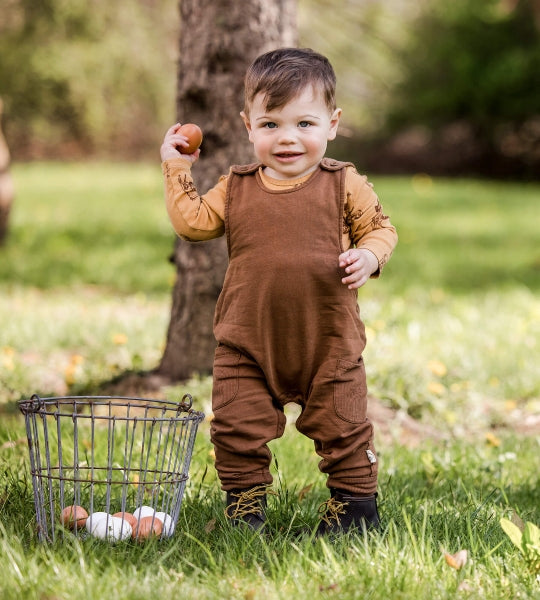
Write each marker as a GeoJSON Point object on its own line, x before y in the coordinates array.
{"type": "Point", "coordinates": [304, 232]}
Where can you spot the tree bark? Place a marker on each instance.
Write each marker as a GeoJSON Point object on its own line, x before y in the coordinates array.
{"type": "Point", "coordinates": [218, 41]}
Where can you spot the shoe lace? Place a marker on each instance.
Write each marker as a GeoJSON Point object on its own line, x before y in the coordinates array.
{"type": "Point", "coordinates": [248, 502]}
{"type": "Point", "coordinates": [331, 509]}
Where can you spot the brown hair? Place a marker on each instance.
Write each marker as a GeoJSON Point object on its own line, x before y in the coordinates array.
{"type": "Point", "coordinates": [283, 73]}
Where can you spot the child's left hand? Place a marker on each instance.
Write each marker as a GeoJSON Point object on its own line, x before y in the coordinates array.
{"type": "Point", "coordinates": [359, 264]}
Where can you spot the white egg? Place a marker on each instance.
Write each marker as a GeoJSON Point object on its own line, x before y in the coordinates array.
{"type": "Point", "coordinates": [93, 518]}
{"type": "Point", "coordinates": [168, 523]}
{"type": "Point", "coordinates": [112, 529]}
{"type": "Point", "coordinates": [143, 511]}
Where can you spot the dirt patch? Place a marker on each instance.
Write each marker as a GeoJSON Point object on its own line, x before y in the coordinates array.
{"type": "Point", "coordinates": [397, 426]}
{"type": "Point", "coordinates": [136, 385]}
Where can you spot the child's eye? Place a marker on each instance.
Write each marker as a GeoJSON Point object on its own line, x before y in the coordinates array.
{"type": "Point", "coordinates": [270, 125]}
{"type": "Point", "coordinates": [304, 124]}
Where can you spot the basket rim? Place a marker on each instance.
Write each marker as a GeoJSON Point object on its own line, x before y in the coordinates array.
{"type": "Point", "coordinates": [36, 403]}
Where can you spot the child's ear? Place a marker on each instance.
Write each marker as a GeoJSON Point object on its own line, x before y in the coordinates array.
{"type": "Point", "coordinates": [247, 123]}
{"type": "Point", "coordinates": [334, 122]}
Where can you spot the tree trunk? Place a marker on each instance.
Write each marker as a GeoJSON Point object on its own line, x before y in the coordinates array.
{"type": "Point", "coordinates": [218, 41]}
{"type": "Point", "coordinates": [6, 184]}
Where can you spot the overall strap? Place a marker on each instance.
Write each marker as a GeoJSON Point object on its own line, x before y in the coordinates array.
{"type": "Point", "coordinates": [245, 169]}
{"type": "Point", "coordinates": [331, 164]}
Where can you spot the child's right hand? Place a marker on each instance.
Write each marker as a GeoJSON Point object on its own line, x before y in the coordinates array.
{"type": "Point", "coordinates": [171, 144]}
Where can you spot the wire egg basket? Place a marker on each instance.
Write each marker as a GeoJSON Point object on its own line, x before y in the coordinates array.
{"type": "Point", "coordinates": [107, 455]}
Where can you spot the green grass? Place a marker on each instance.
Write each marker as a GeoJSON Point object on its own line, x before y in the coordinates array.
{"type": "Point", "coordinates": [453, 328]}
{"type": "Point", "coordinates": [463, 235]}
{"type": "Point", "coordinates": [89, 224]}
{"type": "Point", "coordinates": [442, 498]}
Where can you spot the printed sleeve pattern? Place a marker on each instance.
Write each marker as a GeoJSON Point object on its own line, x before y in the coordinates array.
{"type": "Point", "coordinates": [364, 220]}
{"type": "Point", "coordinates": [194, 218]}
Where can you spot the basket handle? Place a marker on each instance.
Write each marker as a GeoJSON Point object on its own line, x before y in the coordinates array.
{"type": "Point", "coordinates": [186, 403]}
{"type": "Point", "coordinates": [34, 405]}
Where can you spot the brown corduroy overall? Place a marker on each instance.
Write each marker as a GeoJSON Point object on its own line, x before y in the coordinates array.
{"type": "Point", "coordinates": [288, 330]}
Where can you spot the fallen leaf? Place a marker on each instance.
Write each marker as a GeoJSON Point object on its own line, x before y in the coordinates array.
{"type": "Point", "coordinates": [457, 560]}
{"type": "Point", "coordinates": [304, 491]}
{"type": "Point", "coordinates": [510, 405]}
{"type": "Point", "coordinates": [436, 388]}
{"type": "Point", "coordinates": [518, 522]}
{"type": "Point", "coordinates": [13, 443]}
{"type": "Point", "coordinates": [492, 439]}
{"type": "Point", "coordinates": [437, 368]}
{"type": "Point", "coordinates": [210, 526]}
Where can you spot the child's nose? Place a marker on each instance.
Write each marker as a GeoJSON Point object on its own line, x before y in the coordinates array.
{"type": "Point", "coordinates": [287, 135]}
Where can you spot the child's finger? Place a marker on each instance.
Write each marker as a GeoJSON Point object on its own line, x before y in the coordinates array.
{"type": "Point", "coordinates": [172, 129]}
{"type": "Point", "coordinates": [355, 280]}
{"type": "Point", "coordinates": [346, 258]}
{"type": "Point", "coordinates": [179, 140]}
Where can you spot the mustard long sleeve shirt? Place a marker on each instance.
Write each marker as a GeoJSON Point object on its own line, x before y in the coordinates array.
{"type": "Point", "coordinates": [198, 218]}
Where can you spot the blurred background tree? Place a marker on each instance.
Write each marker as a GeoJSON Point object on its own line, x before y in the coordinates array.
{"type": "Point", "coordinates": [478, 61]}
{"type": "Point", "coordinates": [470, 86]}
{"type": "Point", "coordinates": [434, 86]}
{"type": "Point", "coordinates": [83, 78]}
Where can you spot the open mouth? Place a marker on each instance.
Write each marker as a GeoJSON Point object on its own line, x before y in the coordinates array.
{"type": "Point", "coordinates": [287, 155]}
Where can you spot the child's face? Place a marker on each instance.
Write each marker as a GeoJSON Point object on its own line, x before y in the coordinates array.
{"type": "Point", "coordinates": [291, 140]}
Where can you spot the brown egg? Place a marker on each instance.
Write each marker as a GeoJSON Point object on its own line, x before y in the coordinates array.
{"type": "Point", "coordinates": [194, 136]}
{"type": "Point", "coordinates": [147, 527]}
{"type": "Point", "coordinates": [127, 517]}
{"type": "Point", "coordinates": [72, 515]}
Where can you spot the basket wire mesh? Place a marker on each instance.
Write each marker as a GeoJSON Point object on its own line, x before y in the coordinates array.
{"type": "Point", "coordinates": [109, 454]}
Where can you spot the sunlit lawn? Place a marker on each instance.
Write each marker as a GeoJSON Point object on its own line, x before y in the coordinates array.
{"type": "Point", "coordinates": [453, 328]}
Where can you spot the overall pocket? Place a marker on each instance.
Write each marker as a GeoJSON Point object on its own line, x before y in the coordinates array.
{"type": "Point", "coordinates": [225, 376]}
{"type": "Point", "coordinates": [350, 391]}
